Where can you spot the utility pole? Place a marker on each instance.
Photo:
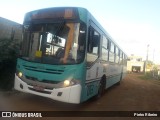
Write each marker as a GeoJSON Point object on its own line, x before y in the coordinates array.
{"type": "Point", "coordinates": [145, 68]}
{"type": "Point", "coordinates": [153, 65]}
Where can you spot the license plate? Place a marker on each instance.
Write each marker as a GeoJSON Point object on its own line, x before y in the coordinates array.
{"type": "Point", "coordinates": [40, 88]}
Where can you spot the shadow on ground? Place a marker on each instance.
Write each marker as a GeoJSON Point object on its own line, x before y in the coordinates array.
{"type": "Point", "coordinates": [7, 71]}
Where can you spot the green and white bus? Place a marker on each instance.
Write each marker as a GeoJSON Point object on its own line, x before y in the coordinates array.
{"type": "Point", "coordinates": [67, 56]}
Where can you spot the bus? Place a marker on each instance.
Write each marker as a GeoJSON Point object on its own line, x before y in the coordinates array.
{"type": "Point", "coordinates": [66, 55]}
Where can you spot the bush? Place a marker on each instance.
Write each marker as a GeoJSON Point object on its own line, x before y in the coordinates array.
{"type": "Point", "coordinates": [8, 56]}
{"type": "Point", "coordinates": [146, 76]}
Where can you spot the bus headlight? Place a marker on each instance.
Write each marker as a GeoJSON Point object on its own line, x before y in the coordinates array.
{"type": "Point", "coordinates": [19, 74]}
{"type": "Point", "coordinates": [67, 83]}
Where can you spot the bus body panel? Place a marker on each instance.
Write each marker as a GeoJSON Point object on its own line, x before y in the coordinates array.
{"type": "Point", "coordinates": [68, 94]}
{"type": "Point", "coordinates": [50, 72]}
{"type": "Point", "coordinates": [94, 74]}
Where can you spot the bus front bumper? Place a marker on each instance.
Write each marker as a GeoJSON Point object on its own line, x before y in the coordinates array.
{"type": "Point", "coordinates": [69, 94]}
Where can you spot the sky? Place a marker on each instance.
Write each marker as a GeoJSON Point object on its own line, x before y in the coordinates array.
{"type": "Point", "coordinates": [133, 24]}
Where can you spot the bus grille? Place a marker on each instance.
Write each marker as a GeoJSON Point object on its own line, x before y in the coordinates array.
{"type": "Point", "coordinates": [43, 81]}
{"type": "Point", "coordinates": [41, 69]}
{"type": "Point", "coordinates": [46, 92]}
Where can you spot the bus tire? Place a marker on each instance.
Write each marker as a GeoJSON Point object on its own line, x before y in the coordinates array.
{"type": "Point", "coordinates": [118, 83]}
{"type": "Point", "coordinates": [101, 88]}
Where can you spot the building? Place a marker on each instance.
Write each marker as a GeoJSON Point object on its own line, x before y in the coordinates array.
{"type": "Point", "coordinates": [135, 64]}
{"type": "Point", "coordinates": [10, 30]}
{"type": "Point", "coordinates": [10, 38]}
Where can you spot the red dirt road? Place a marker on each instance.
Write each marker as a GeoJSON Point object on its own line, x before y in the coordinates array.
{"type": "Point", "coordinates": [133, 94]}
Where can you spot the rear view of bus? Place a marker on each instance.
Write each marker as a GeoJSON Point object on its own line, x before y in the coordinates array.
{"type": "Point", "coordinates": [51, 63]}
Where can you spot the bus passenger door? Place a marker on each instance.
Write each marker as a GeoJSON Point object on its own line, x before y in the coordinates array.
{"type": "Point", "coordinates": [93, 62]}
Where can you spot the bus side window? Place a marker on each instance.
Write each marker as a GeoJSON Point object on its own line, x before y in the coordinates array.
{"type": "Point", "coordinates": [93, 41]}
{"type": "Point", "coordinates": [116, 54]}
{"type": "Point", "coordinates": [112, 52]}
{"type": "Point", "coordinates": [121, 57]}
{"type": "Point", "coordinates": [104, 49]}
{"type": "Point", "coordinates": [93, 46]}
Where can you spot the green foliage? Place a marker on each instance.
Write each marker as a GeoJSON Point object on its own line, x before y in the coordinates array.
{"type": "Point", "coordinates": [146, 76]}
{"type": "Point", "coordinates": [8, 55]}
{"type": "Point", "coordinates": [8, 49]}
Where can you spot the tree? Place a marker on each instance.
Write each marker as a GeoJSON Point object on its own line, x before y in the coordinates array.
{"type": "Point", "coordinates": [8, 51]}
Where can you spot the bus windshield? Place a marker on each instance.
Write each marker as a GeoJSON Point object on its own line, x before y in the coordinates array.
{"type": "Point", "coordinates": [54, 43]}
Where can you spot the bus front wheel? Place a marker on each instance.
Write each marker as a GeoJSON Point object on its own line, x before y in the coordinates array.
{"type": "Point", "coordinates": [101, 88]}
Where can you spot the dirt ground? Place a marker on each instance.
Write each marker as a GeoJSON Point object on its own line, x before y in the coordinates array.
{"type": "Point", "coordinates": [133, 94]}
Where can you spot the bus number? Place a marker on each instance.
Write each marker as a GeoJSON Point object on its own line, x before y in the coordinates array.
{"type": "Point", "coordinates": [90, 89]}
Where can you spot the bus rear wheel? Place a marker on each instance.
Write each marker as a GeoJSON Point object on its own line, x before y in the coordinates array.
{"type": "Point", "coordinates": [118, 83]}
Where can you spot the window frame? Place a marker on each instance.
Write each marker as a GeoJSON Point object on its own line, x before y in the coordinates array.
{"type": "Point", "coordinates": [104, 48]}
{"type": "Point", "coordinates": [91, 31]}
{"type": "Point", "coordinates": [111, 51]}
